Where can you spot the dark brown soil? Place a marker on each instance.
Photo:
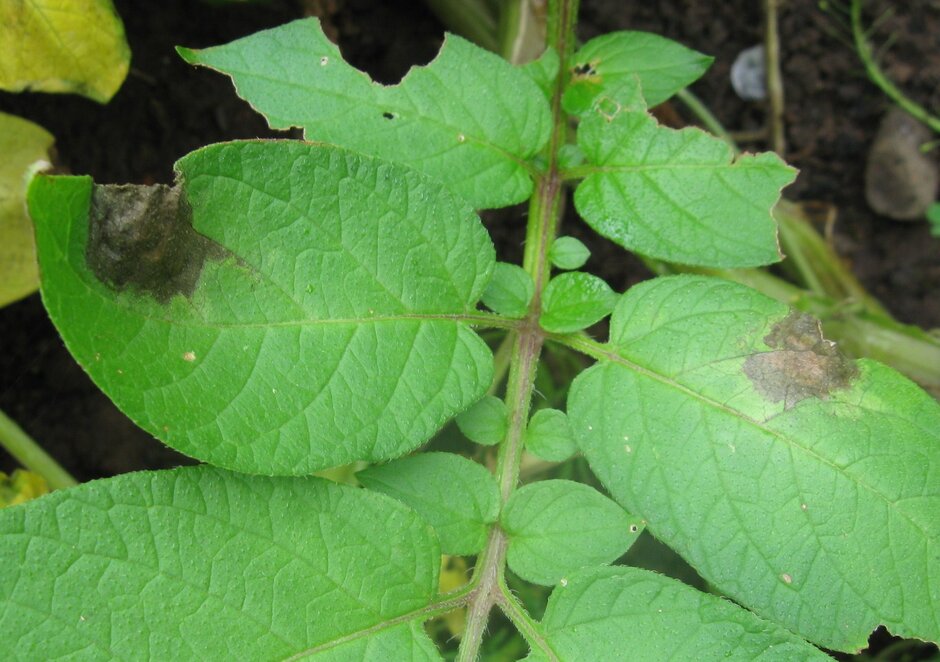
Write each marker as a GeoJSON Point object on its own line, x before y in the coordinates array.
{"type": "Point", "coordinates": [166, 109]}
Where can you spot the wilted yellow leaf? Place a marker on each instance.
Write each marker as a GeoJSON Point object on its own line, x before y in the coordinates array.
{"type": "Point", "coordinates": [62, 46]}
{"type": "Point", "coordinates": [21, 486]}
{"type": "Point", "coordinates": [22, 143]}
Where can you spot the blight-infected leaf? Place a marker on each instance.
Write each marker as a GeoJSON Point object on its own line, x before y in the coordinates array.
{"type": "Point", "coordinates": [298, 307]}
{"type": "Point", "coordinates": [199, 562]}
{"type": "Point", "coordinates": [802, 486]}
{"type": "Point", "coordinates": [73, 46]}
{"type": "Point", "coordinates": [468, 118]}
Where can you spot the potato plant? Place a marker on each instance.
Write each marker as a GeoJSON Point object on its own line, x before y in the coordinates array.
{"type": "Point", "coordinates": [292, 306]}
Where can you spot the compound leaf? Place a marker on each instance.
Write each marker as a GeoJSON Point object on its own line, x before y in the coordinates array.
{"type": "Point", "coordinates": [286, 308]}
{"type": "Point", "coordinates": [63, 46]}
{"type": "Point", "coordinates": [662, 66]}
{"type": "Point", "coordinates": [623, 614]}
{"type": "Point", "coordinates": [457, 496]}
{"type": "Point", "coordinates": [469, 117]}
{"type": "Point", "coordinates": [801, 484]}
{"type": "Point", "coordinates": [557, 527]}
{"type": "Point", "coordinates": [680, 196]}
{"type": "Point", "coordinates": [22, 144]}
{"type": "Point", "coordinates": [169, 565]}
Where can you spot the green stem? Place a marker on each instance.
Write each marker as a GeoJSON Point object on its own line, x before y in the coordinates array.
{"type": "Point", "coordinates": [471, 18]}
{"type": "Point", "coordinates": [878, 77]}
{"type": "Point", "coordinates": [544, 210]}
{"type": "Point", "coordinates": [530, 629]}
{"type": "Point", "coordinates": [28, 453]}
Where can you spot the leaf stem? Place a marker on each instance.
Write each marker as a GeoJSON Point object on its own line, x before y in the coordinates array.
{"type": "Point", "coordinates": [527, 626]}
{"type": "Point", "coordinates": [28, 453]}
{"type": "Point", "coordinates": [544, 218]}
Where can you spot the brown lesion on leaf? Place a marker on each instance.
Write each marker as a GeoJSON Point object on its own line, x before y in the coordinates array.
{"type": "Point", "coordinates": [800, 364]}
{"type": "Point", "coordinates": [141, 237]}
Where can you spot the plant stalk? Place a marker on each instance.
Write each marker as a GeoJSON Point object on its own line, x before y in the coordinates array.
{"type": "Point", "coordinates": [544, 218]}
{"type": "Point", "coordinates": [28, 453]}
{"type": "Point", "coordinates": [878, 77]}
{"type": "Point", "coordinates": [774, 77]}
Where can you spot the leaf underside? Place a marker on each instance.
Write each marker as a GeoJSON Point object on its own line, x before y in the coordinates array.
{"type": "Point", "coordinates": [625, 614]}
{"type": "Point", "coordinates": [312, 314]}
{"type": "Point", "coordinates": [199, 561]}
{"type": "Point", "coordinates": [800, 484]}
{"type": "Point", "coordinates": [468, 117]}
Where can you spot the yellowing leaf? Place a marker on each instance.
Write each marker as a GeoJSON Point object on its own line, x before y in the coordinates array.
{"type": "Point", "coordinates": [21, 486]}
{"type": "Point", "coordinates": [62, 46]}
{"type": "Point", "coordinates": [22, 143]}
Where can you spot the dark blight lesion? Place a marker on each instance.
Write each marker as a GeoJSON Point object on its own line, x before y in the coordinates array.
{"type": "Point", "coordinates": [801, 364]}
{"type": "Point", "coordinates": [142, 238]}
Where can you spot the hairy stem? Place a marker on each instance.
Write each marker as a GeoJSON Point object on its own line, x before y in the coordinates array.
{"type": "Point", "coordinates": [28, 453]}
{"type": "Point", "coordinates": [526, 625]}
{"type": "Point", "coordinates": [544, 212]}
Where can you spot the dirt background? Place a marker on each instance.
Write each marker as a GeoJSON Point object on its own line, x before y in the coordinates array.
{"type": "Point", "coordinates": [166, 109]}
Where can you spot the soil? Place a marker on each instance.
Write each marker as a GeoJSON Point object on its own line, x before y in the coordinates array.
{"type": "Point", "coordinates": [166, 109]}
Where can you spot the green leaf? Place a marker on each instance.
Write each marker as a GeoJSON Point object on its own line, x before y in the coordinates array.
{"type": "Point", "coordinates": [549, 436]}
{"type": "Point", "coordinates": [625, 614]}
{"type": "Point", "coordinates": [22, 144]}
{"type": "Point", "coordinates": [315, 312]}
{"type": "Point", "coordinates": [63, 46]}
{"type": "Point", "coordinates": [469, 117]}
{"type": "Point", "coordinates": [568, 253]}
{"type": "Point", "coordinates": [574, 301]}
{"type": "Point", "coordinates": [200, 563]}
{"type": "Point", "coordinates": [933, 217]}
{"type": "Point", "coordinates": [543, 71]}
{"type": "Point", "coordinates": [556, 527]}
{"type": "Point", "coordinates": [485, 422]}
{"type": "Point", "coordinates": [457, 496]}
{"type": "Point", "coordinates": [680, 196]}
{"type": "Point", "coordinates": [510, 291]}
{"type": "Point", "coordinates": [662, 66]}
{"type": "Point", "coordinates": [800, 484]}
